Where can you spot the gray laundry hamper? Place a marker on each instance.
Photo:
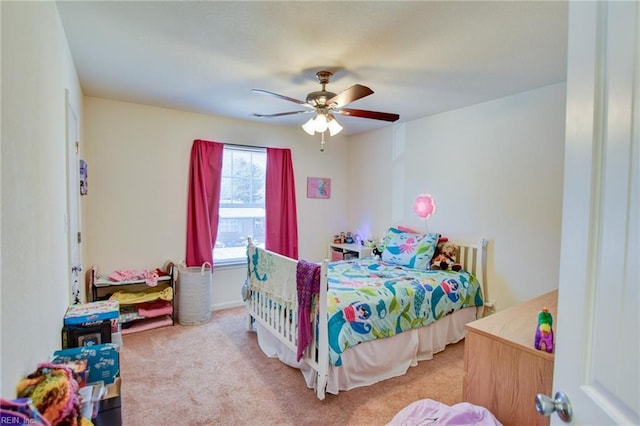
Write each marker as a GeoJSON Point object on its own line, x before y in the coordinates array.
{"type": "Point", "coordinates": [194, 294]}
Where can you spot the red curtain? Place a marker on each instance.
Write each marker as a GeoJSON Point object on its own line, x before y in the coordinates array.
{"type": "Point", "coordinates": [205, 177]}
{"type": "Point", "coordinates": [281, 221]}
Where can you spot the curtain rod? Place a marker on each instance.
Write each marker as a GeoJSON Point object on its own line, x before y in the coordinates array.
{"type": "Point", "coordinates": [241, 146]}
{"type": "Point", "coordinates": [237, 145]}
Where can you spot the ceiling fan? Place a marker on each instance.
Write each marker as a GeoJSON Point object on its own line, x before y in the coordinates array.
{"type": "Point", "coordinates": [325, 104]}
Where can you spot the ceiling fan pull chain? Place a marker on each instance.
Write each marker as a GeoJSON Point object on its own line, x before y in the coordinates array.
{"type": "Point", "coordinates": [322, 143]}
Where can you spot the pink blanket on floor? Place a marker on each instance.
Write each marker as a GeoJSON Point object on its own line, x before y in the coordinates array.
{"type": "Point", "coordinates": [430, 412]}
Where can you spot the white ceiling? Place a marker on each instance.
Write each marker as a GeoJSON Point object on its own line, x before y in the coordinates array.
{"type": "Point", "coordinates": [420, 58]}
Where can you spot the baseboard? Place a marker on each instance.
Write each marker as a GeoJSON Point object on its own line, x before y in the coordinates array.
{"type": "Point", "coordinates": [489, 307]}
{"type": "Point", "coordinates": [221, 306]}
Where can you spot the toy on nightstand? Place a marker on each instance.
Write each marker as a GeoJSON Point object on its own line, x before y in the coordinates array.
{"type": "Point", "coordinates": [378, 248]}
{"type": "Point", "coordinates": [544, 331]}
{"type": "Point", "coordinates": [377, 253]}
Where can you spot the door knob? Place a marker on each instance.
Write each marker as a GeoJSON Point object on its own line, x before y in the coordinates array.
{"type": "Point", "coordinates": [561, 405]}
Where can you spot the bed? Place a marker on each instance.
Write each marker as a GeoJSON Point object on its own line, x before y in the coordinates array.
{"type": "Point", "coordinates": [371, 320]}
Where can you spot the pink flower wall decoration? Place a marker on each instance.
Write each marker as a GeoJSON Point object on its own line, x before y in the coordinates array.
{"type": "Point", "coordinates": [424, 206]}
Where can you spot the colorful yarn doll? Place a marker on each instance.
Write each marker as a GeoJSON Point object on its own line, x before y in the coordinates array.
{"type": "Point", "coordinates": [54, 393]}
{"type": "Point", "coordinates": [544, 332]}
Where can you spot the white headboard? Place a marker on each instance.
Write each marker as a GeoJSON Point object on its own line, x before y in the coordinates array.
{"type": "Point", "coordinates": [473, 258]}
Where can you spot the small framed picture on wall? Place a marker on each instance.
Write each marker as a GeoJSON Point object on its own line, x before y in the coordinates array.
{"type": "Point", "coordinates": [318, 187]}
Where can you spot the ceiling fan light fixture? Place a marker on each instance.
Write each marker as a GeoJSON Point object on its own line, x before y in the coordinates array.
{"type": "Point", "coordinates": [309, 126]}
{"type": "Point", "coordinates": [333, 126]}
{"type": "Point", "coordinates": [320, 123]}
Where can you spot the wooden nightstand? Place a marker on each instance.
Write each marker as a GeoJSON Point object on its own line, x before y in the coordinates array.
{"type": "Point", "coordinates": [503, 369]}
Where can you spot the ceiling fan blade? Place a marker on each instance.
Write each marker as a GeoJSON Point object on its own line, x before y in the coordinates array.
{"type": "Point", "coordinates": [385, 116]}
{"type": "Point", "coordinates": [280, 114]}
{"type": "Point", "coordinates": [286, 98]}
{"type": "Point", "coordinates": [353, 93]}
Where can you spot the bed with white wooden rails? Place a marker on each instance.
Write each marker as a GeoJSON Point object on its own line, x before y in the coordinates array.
{"type": "Point", "coordinates": [397, 316]}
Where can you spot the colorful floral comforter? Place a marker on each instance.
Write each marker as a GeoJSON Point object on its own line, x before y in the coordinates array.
{"type": "Point", "coordinates": [370, 299]}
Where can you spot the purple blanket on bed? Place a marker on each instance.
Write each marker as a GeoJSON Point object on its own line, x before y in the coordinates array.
{"type": "Point", "coordinates": [308, 285]}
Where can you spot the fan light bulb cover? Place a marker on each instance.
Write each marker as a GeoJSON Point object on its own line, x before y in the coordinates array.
{"type": "Point", "coordinates": [334, 126]}
{"type": "Point", "coordinates": [309, 127]}
{"type": "Point", "coordinates": [320, 123]}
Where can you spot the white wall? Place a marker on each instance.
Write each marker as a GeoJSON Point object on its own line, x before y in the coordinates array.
{"type": "Point", "coordinates": [494, 170]}
{"type": "Point", "coordinates": [36, 70]}
{"type": "Point", "coordinates": [138, 163]}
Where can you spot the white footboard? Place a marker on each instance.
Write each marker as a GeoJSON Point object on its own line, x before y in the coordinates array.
{"type": "Point", "coordinates": [273, 302]}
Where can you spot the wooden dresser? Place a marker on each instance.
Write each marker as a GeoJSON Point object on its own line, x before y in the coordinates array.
{"type": "Point", "coordinates": [503, 370]}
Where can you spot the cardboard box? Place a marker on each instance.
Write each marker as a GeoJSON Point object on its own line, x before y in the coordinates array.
{"type": "Point", "coordinates": [92, 312]}
{"type": "Point", "coordinates": [111, 397]}
{"type": "Point", "coordinates": [116, 338]}
{"type": "Point", "coordinates": [103, 360]}
{"type": "Point", "coordinates": [90, 396]}
{"type": "Point", "coordinates": [80, 368]}
{"type": "Point", "coordinates": [110, 406]}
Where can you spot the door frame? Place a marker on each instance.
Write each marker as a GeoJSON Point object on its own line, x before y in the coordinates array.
{"type": "Point", "coordinates": [73, 222]}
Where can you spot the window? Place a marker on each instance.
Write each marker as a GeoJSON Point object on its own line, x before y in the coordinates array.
{"type": "Point", "coordinates": [242, 210]}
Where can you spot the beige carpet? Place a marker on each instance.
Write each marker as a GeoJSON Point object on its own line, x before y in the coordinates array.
{"type": "Point", "coordinates": [215, 374]}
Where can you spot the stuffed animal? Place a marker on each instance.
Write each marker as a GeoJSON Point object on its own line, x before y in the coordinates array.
{"type": "Point", "coordinates": [544, 331]}
{"type": "Point", "coordinates": [377, 253]}
{"type": "Point", "coordinates": [445, 257]}
{"type": "Point", "coordinates": [379, 248]}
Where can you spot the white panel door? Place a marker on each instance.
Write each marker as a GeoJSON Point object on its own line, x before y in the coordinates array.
{"type": "Point", "coordinates": [598, 327]}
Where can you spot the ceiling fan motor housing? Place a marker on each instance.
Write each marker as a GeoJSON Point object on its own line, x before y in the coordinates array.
{"type": "Point", "coordinates": [319, 98]}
